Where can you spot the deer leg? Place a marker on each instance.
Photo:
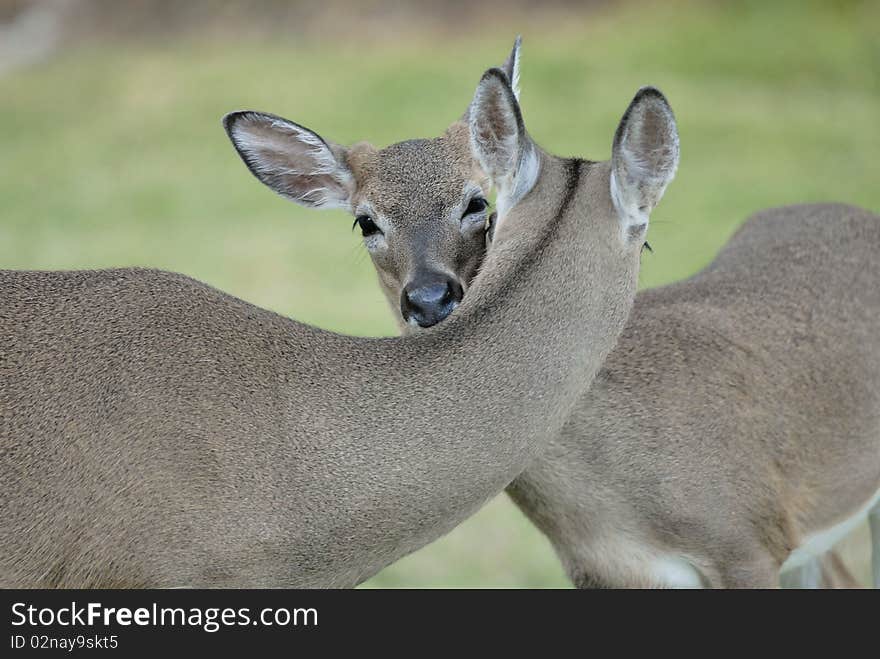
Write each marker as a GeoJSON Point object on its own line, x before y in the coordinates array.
{"type": "Point", "coordinates": [874, 523]}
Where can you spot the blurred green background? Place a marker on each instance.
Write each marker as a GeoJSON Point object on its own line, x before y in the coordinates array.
{"type": "Point", "coordinates": [112, 154]}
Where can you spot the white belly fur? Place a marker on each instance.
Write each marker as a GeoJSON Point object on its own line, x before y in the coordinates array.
{"type": "Point", "coordinates": [817, 544]}
{"type": "Point", "coordinates": [675, 572]}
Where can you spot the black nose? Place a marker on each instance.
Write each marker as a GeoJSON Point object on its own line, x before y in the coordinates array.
{"type": "Point", "coordinates": [428, 302]}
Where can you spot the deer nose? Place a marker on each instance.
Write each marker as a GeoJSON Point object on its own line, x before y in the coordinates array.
{"type": "Point", "coordinates": [426, 303]}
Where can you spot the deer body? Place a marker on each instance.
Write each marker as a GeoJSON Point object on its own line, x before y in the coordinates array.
{"type": "Point", "coordinates": [736, 425]}
{"type": "Point", "coordinates": [158, 432]}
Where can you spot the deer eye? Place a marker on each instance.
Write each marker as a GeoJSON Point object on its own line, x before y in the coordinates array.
{"type": "Point", "coordinates": [476, 205]}
{"type": "Point", "coordinates": [367, 226]}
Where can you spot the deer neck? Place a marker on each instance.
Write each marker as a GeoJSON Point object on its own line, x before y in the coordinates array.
{"type": "Point", "coordinates": [551, 300]}
{"type": "Point", "coordinates": [427, 428]}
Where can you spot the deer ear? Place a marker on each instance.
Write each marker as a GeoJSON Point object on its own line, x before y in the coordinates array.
{"type": "Point", "coordinates": [499, 141]}
{"type": "Point", "coordinates": [292, 160]}
{"type": "Point", "coordinates": [644, 158]}
{"type": "Point", "coordinates": [511, 67]}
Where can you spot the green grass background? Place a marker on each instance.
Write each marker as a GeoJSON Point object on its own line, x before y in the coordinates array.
{"type": "Point", "coordinates": [113, 155]}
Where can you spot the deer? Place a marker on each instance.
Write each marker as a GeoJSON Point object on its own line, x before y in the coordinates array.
{"type": "Point", "coordinates": [647, 485]}
{"type": "Point", "coordinates": [742, 439]}
{"type": "Point", "coordinates": [157, 432]}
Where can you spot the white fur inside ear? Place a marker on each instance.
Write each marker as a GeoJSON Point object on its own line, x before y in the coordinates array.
{"type": "Point", "coordinates": [512, 190]}
{"type": "Point", "coordinates": [511, 68]}
{"type": "Point", "coordinates": [633, 218]}
{"type": "Point", "coordinates": [514, 78]}
{"type": "Point", "coordinates": [293, 161]}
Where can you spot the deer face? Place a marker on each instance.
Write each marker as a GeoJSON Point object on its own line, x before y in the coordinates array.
{"type": "Point", "coordinates": [422, 209]}
{"type": "Point", "coordinates": [420, 205]}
